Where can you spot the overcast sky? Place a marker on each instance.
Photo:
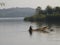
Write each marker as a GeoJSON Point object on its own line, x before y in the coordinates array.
{"type": "Point", "coordinates": [30, 3]}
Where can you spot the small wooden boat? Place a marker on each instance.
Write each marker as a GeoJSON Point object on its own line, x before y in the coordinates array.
{"type": "Point", "coordinates": [43, 29]}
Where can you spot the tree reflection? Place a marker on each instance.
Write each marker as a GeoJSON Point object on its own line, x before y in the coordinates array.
{"type": "Point", "coordinates": [49, 24]}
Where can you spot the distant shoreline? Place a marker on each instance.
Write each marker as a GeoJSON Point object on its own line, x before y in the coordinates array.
{"type": "Point", "coordinates": [12, 18]}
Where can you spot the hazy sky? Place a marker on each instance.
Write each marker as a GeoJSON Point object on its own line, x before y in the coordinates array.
{"type": "Point", "coordinates": [30, 3]}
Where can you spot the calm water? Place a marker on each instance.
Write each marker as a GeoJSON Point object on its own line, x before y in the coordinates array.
{"type": "Point", "coordinates": [14, 31]}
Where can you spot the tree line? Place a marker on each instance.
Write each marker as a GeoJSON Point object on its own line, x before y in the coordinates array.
{"type": "Point", "coordinates": [49, 10]}
{"type": "Point", "coordinates": [48, 14]}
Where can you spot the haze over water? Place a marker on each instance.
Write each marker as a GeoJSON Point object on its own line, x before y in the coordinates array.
{"type": "Point", "coordinates": [15, 32]}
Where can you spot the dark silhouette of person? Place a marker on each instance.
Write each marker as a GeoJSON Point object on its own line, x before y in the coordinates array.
{"type": "Point", "coordinates": [30, 30]}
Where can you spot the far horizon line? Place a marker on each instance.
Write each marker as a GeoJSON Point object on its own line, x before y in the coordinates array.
{"type": "Point", "coordinates": [16, 7]}
{"type": "Point", "coordinates": [27, 7]}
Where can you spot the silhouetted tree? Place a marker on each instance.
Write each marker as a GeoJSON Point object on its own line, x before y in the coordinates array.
{"type": "Point", "coordinates": [38, 10]}
{"type": "Point", "coordinates": [49, 10]}
{"type": "Point", "coordinates": [57, 10]}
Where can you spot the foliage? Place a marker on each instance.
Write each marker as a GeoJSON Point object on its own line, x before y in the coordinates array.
{"type": "Point", "coordinates": [49, 14]}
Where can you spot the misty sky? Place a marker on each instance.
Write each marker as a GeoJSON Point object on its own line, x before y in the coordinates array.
{"type": "Point", "coordinates": [30, 3]}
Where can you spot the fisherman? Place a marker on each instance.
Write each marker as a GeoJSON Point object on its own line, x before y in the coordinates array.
{"type": "Point", "coordinates": [30, 30]}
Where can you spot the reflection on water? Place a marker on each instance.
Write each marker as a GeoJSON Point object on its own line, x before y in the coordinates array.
{"type": "Point", "coordinates": [30, 32]}
{"type": "Point", "coordinates": [49, 24]}
{"type": "Point", "coordinates": [16, 33]}
{"type": "Point", "coordinates": [51, 38]}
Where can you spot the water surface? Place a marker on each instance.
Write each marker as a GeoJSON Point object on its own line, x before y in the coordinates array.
{"type": "Point", "coordinates": [15, 32]}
